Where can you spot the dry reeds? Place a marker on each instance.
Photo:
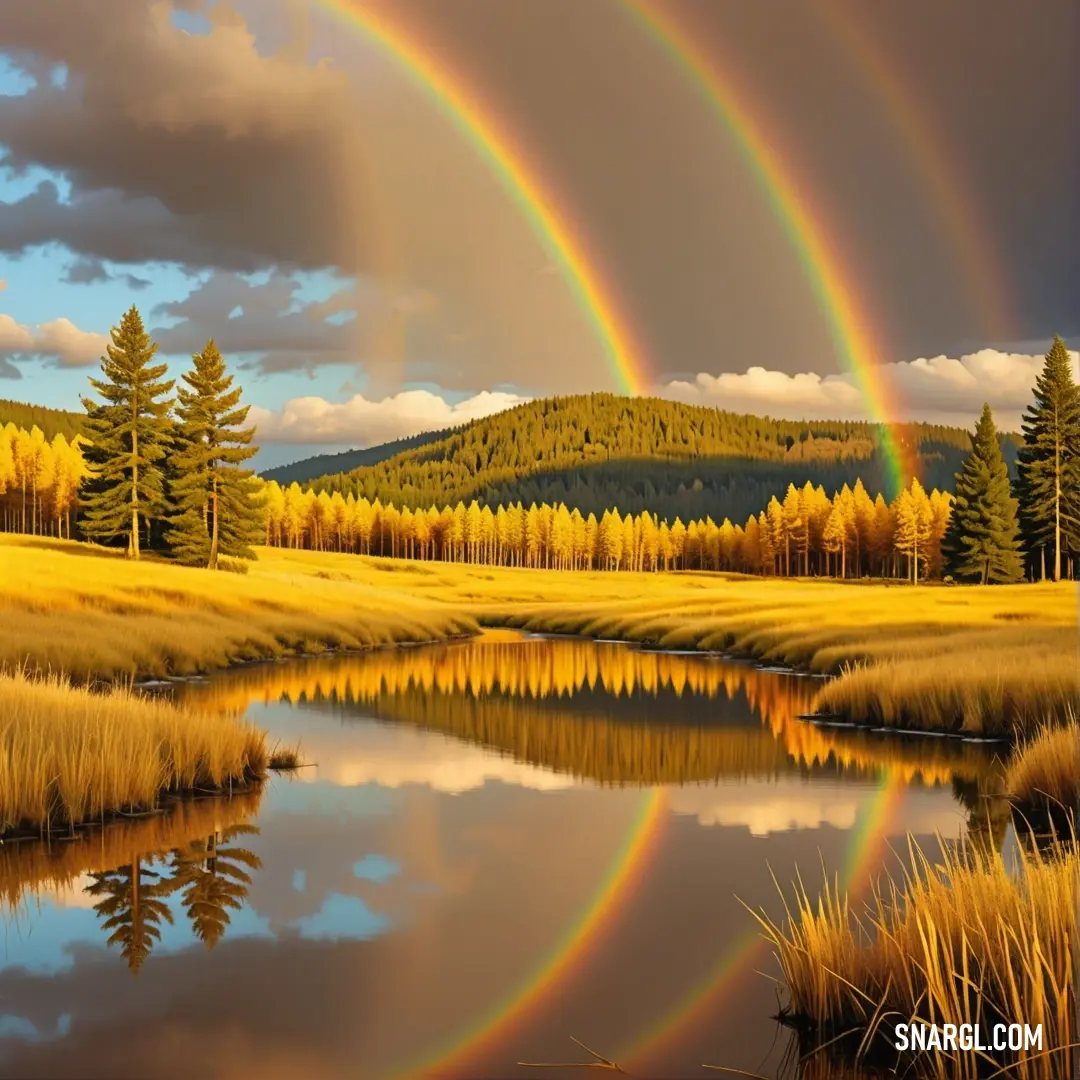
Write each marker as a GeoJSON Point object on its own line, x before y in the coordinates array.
{"type": "Point", "coordinates": [972, 940]}
{"type": "Point", "coordinates": [1043, 779]}
{"type": "Point", "coordinates": [69, 755]}
{"type": "Point", "coordinates": [284, 759]}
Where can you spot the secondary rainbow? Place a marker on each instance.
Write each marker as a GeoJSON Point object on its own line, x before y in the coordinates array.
{"type": "Point", "coordinates": [836, 297]}
{"type": "Point", "coordinates": [930, 153]}
{"type": "Point", "coordinates": [624, 873]}
{"type": "Point", "coordinates": [522, 181]}
{"type": "Point", "coordinates": [704, 998]}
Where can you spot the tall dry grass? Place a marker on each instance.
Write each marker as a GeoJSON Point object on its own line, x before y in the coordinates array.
{"type": "Point", "coordinates": [970, 940]}
{"type": "Point", "coordinates": [1043, 778]}
{"type": "Point", "coordinates": [68, 755]}
{"type": "Point", "coordinates": [972, 684]}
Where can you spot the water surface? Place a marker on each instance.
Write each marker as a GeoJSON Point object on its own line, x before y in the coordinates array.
{"type": "Point", "coordinates": [503, 844]}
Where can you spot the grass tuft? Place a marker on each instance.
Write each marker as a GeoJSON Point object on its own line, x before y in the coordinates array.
{"type": "Point", "coordinates": [973, 939]}
{"type": "Point", "coordinates": [1043, 778]}
{"type": "Point", "coordinates": [284, 758]}
{"type": "Point", "coordinates": [69, 755]}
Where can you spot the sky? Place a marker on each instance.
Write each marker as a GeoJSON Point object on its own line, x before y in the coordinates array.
{"type": "Point", "coordinates": [266, 173]}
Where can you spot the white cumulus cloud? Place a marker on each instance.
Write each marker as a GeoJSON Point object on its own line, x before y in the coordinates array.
{"type": "Point", "coordinates": [939, 389]}
{"type": "Point", "coordinates": [60, 340]}
{"type": "Point", "coordinates": [363, 422]}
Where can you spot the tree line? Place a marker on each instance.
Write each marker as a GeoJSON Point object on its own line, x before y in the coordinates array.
{"type": "Point", "coordinates": [807, 533]}
{"type": "Point", "coordinates": [52, 422]}
{"type": "Point", "coordinates": [597, 451]}
{"type": "Point", "coordinates": [152, 470]}
{"type": "Point", "coordinates": [39, 481]}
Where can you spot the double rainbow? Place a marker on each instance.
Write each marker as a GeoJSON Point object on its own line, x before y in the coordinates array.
{"type": "Point", "coordinates": [836, 296]}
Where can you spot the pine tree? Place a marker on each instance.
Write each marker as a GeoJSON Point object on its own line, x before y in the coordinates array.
{"type": "Point", "coordinates": [1048, 463]}
{"type": "Point", "coordinates": [980, 541]}
{"type": "Point", "coordinates": [128, 436]}
{"type": "Point", "coordinates": [216, 509]}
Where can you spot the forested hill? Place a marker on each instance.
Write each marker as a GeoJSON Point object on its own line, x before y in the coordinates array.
{"type": "Point", "coordinates": [51, 421]}
{"type": "Point", "coordinates": [600, 451]}
{"type": "Point", "coordinates": [335, 464]}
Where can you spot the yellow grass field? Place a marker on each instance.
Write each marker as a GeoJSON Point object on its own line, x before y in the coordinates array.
{"type": "Point", "coordinates": [90, 612]}
{"type": "Point", "coordinates": [974, 658]}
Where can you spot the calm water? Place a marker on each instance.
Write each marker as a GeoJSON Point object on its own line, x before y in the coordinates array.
{"type": "Point", "coordinates": [503, 844]}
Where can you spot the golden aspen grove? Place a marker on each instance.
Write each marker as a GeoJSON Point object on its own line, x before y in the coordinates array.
{"type": "Point", "coordinates": [850, 534]}
{"type": "Point", "coordinates": [809, 533]}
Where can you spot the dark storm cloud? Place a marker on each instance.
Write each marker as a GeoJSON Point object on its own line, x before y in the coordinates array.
{"type": "Point", "coordinates": [263, 318]}
{"type": "Point", "coordinates": [713, 282]}
{"type": "Point", "coordinates": [86, 272]}
{"type": "Point", "coordinates": [200, 151]}
{"type": "Point", "coordinates": [8, 370]}
{"type": "Point", "coordinates": [186, 148]}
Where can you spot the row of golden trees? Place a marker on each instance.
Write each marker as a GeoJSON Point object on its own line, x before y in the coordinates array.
{"type": "Point", "coordinates": [807, 533]}
{"type": "Point", "coordinates": [850, 534]}
{"type": "Point", "coordinates": [39, 481]}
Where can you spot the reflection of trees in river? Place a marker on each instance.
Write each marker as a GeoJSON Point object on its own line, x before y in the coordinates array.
{"type": "Point", "coordinates": [134, 868]}
{"type": "Point", "coordinates": [211, 876]}
{"type": "Point", "coordinates": [131, 904]}
{"type": "Point", "coordinates": [604, 712]}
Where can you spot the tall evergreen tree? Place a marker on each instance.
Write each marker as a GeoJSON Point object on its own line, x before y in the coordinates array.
{"type": "Point", "coordinates": [128, 434]}
{"type": "Point", "coordinates": [216, 509]}
{"type": "Point", "coordinates": [980, 542]}
{"type": "Point", "coordinates": [1048, 463]}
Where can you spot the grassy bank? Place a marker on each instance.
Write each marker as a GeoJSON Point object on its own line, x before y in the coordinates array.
{"type": "Point", "coordinates": [90, 612]}
{"type": "Point", "coordinates": [906, 657]}
{"type": "Point", "coordinates": [970, 941]}
{"type": "Point", "coordinates": [69, 756]}
{"type": "Point", "coordinates": [910, 656]}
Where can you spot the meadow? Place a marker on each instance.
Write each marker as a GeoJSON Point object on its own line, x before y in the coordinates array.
{"type": "Point", "coordinates": [907, 656]}
{"type": "Point", "coordinates": [90, 613]}
{"type": "Point", "coordinates": [997, 660]}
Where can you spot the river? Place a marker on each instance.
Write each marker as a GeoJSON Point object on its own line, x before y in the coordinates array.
{"type": "Point", "coordinates": [498, 845]}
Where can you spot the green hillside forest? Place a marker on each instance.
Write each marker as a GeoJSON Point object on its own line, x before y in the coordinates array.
{"type": "Point", "coordinates": [302, 472]}
{"type": "Point", "coordinates": [52, 422]}
{"type": "Point", "coordinates": [597, 451]}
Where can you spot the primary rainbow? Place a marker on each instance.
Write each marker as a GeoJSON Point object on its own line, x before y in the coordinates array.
{"type": "Point", "coordinates": [624, 873]}
{"type": "Point", "coordinates": [835, 295]}
{"type": "Point", "coordinates": [519, 177]}
{"type": "Point", "coordinates": [930, 152]}
{"type": "Point", "coordinates": [703, 999]}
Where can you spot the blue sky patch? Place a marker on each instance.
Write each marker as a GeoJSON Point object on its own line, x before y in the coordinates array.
{"type": "Point", "coordinates": [342, 917]}
{"type": "Point", "coordinates": [377, 868]}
